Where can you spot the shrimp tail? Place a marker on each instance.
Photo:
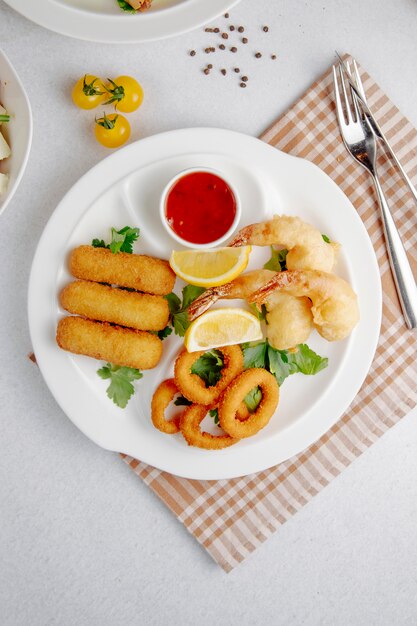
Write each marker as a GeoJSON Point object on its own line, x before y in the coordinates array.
{"type": "Point", "coordinates": [206, 300]}
{"type": "Point", "coordinates": [279, 281]}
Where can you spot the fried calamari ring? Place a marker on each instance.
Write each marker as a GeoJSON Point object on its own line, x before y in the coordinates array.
{"type": "Point", "coordinates": [232, 397]}
{"type": "Point", "coordinates": [162, 397]}
{"type": "Point", "coordinates": [193, 387]}
{"type": "Point", "coordinates": [190, 421]}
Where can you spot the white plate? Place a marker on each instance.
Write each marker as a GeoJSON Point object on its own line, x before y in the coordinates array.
{"type": "Point", "coordinates": [17, 132]}
{"type": "Point", "coordinates": [104, 21]}
{"type": "Point", "coordinates": [124, 189]}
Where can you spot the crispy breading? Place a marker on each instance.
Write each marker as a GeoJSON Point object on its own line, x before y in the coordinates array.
{"type": "Point", "coordinates": [190, 421]}
{"type": "Point", "coordinates": [141, 311]}
{"type": "Point", "coordinates": [135, 271]}
{"type": "Point", "coordinates": [161, 399]}
{"type": "Point", "coordinates": [120, 346]}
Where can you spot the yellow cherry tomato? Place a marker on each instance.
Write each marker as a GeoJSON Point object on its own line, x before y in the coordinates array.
{"type": "Point", "coordinates": [125, 92]}
{"type": "Point", "coordinates": [88, 92]}
{"type": "Point", "coordinates": [112, 130]}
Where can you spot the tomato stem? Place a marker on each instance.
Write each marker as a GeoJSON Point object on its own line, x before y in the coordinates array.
{"type": "Point", "coordinates": [117, 93]}
{"type": "Point", "coordinates": [106, 122]}
{"type": "Point", "coordinates": [89, 89]}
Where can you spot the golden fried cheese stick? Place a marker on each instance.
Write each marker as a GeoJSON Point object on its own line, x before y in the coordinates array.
{"type": "Point", "coordinates": [136, 271]}
{"type": "Point", "coordinates": [108, 304]}
{"type": "Point", "coordinates": [121, 346]}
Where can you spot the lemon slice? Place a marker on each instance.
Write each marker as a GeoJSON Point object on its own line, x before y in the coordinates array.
{"type": "Point", "coordinates": [210, 268]}
{"type": "Point", "coordinates": [222, 327]}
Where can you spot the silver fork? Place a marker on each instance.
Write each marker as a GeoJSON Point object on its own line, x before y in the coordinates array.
{"type": "Point", "coordinates": [355, 82]}
{"type": "Point", "coordinates": [360, 142]}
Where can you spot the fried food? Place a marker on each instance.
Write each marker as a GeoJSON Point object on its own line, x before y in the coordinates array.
{"type": "Point", "coordinates": [162, 398]}
{"type": "Point", "coordinates": [135, 271]}
{"type": "Point", "coordinates": [232, 397]}
{"type": "Point", "coordinates": [190, 421]}
{"type": "Point", "coordinates": [141, 311]}
{"type": "Point", "coordinates": [193, 387]}
{"type": "Point", "coordinates": [121, 346]}
{"type": "Point", "coordinates": [289, 319]}
{"type": "Point", "coordinates": [334, 308]}
{"type": "Point", "coordinates": [306, 248]}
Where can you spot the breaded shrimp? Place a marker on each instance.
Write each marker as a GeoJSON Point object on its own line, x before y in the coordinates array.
{"type": "Point", "coordinates": [334, 303]}
{"type": "Point", "coordinates": [136, 271]}
{"type": "Point", "coordinates": [121, 346]}
{"type": "Point", "coordinates": [109, 304]}
{"type": "Point", "coordinates": [306, 247]}
{"type": "Point", "coordinates": [289, 319]}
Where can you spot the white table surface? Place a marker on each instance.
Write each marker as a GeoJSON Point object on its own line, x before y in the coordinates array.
{"type": "Point", "coordinates": [82, 540]}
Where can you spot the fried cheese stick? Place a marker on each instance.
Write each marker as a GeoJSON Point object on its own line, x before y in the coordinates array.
{"type": "Point", "coordinates": [141, 311]}
{"type": "Point", "coordinates": [136, 271]}
{"type": "Point", "coordinates": [121, 346]}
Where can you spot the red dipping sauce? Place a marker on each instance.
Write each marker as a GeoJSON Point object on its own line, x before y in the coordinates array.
{"type": "Point", "coordinates": [200, 207]}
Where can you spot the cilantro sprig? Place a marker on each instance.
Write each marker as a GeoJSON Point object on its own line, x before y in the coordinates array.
{"type": "Point", "coordinates": [120, 389]}
{"type": "Point", "coordinates": [283, 363]}
{"type": "Point", "coordinates": [178, 308]}
{"type": "Point", "coordinates": [121, 240]}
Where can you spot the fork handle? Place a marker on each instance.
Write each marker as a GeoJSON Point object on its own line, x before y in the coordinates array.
{"type": "Point", "coordinates": [379, 133]}
{"type": "Point", "coordinates": [400, 267]}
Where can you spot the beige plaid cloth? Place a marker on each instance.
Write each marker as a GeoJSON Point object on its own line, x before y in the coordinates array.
{"type": "Point", "coordinates": [230, 518]}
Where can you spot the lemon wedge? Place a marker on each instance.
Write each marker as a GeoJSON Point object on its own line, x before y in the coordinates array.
{"type": "Point", "coordinates": [222, 327]}
{"type": "Point", "coordinates": [210, 268]}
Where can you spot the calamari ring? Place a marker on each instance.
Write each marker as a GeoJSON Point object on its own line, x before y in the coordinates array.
{"type": "Point", "coordinates": [193, 387]}
{"type": "Point", "coordinates": [162, 397]}
{"type": "Point", "coordinates": [232, 397]}
{"type": "Point", "coordinates": [190, 421]}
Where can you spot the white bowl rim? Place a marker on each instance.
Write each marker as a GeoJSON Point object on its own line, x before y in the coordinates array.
{"type": "Point", "coordinates": [173, 234]}
{"type": "Point", "coordinates": [12, 188]}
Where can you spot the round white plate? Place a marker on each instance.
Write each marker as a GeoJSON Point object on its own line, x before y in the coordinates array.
{"type": "Point", "coordinates": [124, 189]}
{"type": "Point", "coordinates": [17, 132]}
{"type": "Point", "coordinates": [104, 21]}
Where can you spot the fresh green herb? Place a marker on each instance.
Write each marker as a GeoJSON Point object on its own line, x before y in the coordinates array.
{"type": "Point", "coordinates": [120, 389]}
{"type": "Point", "coordinates": [278, 260]}
{"type": "Point", "coordinates": [126, 6]}
{"type": "Point", "coordinates": [99, 243]}
{"type": "Point", "coordinates": [164, 333]}
{"type": "Point", "coordinates": [178, 309]}
{"type": "Point", "coordinates": [214, 413]}
{"type": "Point", "coordinates": [181, 401]}
{"type": "Point", "coordinates": [252, 399]}
{"type": "Point", "coordinates": [209, 367]}
{"type": "Point", "coordinates": [4, 118]}
{"type": "Point", "coordinates": [282, 363]}
{"type": "Point", "coordinates": [326, 239]}
{"type": "Point", "coordinates": [260, 314]}
{"type": "Point", "coordinates": [121, 240]}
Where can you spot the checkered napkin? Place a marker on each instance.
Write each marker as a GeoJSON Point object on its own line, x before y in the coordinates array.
{"type": "Point", "coordinates": [230, 518]}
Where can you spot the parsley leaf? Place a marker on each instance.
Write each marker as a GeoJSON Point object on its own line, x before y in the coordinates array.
{"type": "Point", "coordinates": [120, 389]}
{"type": "Point", "coordinates": [99, 243]}
{"type": "Point", "coordinates": [121, 240]}
{"type": "Point", "coordinates": [278, 260]}
{"type": "Point", "coordinates": [209, 367]}
{"type": "Point", "coordinates": [260, 314]}
{"type": "Point", "coordinates": [282, 363]}
{"type": "Point", "coordinates": [326, 239]}
{"type": "Point", "coordinates": [126, 6]}
{"type": "Point", "coordinates": [178, 309]}
{"type": "Point", "coordinates": [214, 413]}
{"type": "Point", "coordinates": [252, 399]}
{"type": "Point", "coordinates": [181, 401]}
{"type": "Point", "coordinates": [164, 333]}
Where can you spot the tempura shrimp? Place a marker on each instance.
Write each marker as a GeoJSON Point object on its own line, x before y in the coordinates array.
{"type": "Point", "coordinates": [334, 303]}
{"type": "Point", "coordinates": [289, 319]}
{"type": "Point", "coordinates": [306, 247]}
